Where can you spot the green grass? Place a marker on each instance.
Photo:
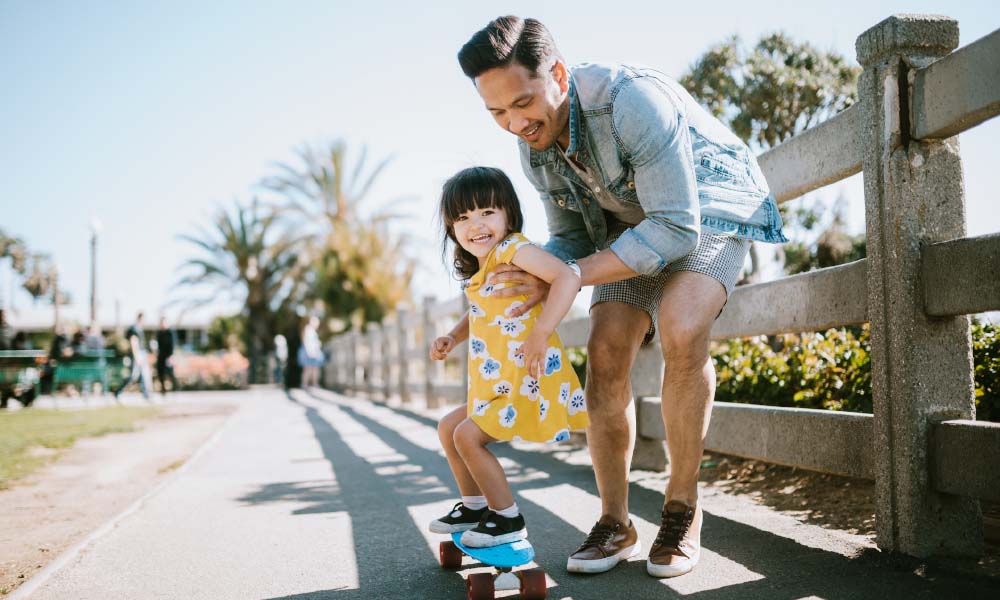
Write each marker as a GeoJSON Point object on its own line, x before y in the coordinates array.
{"type": "Point", "coordinates": [23, 431]}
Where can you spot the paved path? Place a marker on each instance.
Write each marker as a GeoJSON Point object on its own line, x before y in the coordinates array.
{"type": "Point", "coordinates": [316, 495]}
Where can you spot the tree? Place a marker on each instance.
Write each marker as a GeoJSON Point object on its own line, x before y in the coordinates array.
{"type": "Point", "coordinates": [358, 267]}
{"type": "Point", "coordinates": [772, 93]}
{"type": "Point", "coordinates": [247, 256]}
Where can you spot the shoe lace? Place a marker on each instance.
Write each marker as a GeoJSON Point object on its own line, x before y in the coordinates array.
{"type": "Point", "coordinates": [600, 535]}
{"type": "Point", "coordinates": [673, 528]}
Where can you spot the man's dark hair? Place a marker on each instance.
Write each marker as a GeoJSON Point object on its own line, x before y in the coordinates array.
{"type": "Point", "coordinates": [506, 40]}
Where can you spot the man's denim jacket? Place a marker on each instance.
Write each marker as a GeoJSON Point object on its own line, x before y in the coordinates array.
{"type": "Point", "coordinates": [655, 149]}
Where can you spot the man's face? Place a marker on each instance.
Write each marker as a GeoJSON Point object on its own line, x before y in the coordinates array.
{"type": "Point", "coordinates": [534, 109]}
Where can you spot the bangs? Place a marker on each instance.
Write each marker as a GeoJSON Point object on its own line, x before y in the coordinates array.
{"type": "Point", "coordinates": [465, 194]}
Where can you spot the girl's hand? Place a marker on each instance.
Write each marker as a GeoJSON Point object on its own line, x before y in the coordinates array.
{"type": "Point", "coordinates": [533, 349]}
{"type": "Point", "coordinates": [441, 347]}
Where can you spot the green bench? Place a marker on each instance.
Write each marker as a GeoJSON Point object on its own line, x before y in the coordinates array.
{"type": "Point", "coordinates": [86, 368]}
{"type": "Point", "coordinates": [20, 375]}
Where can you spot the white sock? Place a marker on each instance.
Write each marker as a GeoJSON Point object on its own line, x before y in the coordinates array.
{"type": "Point", "coordinates": [474, 502]}
{"type": "Point", "coordinates": [510, 512]}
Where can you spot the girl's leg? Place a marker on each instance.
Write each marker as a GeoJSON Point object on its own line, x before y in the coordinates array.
{"type": "Point", "coordinates": [446, 431]}
{"type": "Point", "coordinates": [471, 443]}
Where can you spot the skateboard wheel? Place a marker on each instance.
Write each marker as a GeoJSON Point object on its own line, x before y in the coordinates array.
{"type": "Point", "coordinates": [479, 586]}
{"type": "Point", "coordinates": [450, 555]}
{"type": "Point", "coordinates": [533, 584]}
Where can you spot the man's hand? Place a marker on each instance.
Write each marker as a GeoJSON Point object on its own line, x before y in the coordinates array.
{"type": "Point", "coordinates": [518, 282]}
{"type": "Point", "coordinates": [441, 347]}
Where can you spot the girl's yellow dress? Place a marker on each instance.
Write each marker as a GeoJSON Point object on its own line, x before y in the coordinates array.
{"type": "Point", "coordinates": [506, 402]}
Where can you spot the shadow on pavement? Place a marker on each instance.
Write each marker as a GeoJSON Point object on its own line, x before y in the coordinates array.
{"type": "Point", "coordinates": [394, 562]}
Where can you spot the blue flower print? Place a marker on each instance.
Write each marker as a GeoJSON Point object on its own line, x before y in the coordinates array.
{"type": "Point", "coordinates": [577, 402]}
{"type": "Point", "coordinates": [477, 348]}
{"type": "Point", "coordinates": [503, 388]}
{"type": "Point", "coordinates": [511, 327]}
{"type": "Point", "coordinates": [529, 388]}
{"type": "Point", "coordinates": [513, 353]}
{"type": "Point", "coordinates": [486, 291]}
{"type": "Point", "coordinates": [479, 406]}
{"type": "Point", "coordinates": [553, 361]}
{"type": "Point", "coordinates": [504, 244]}
{"type": "Point", "coordinates": [508, 415]}
{"type": "Point", "coordinates": [564, 394]}
{"type": "Point", "coordinates": [561, 436]}
{"type": "Point", "coordinates": [490, 369]}
{"type": "Point", "coordinates": [476, 311]}
{"type": "Point", "coordinates": [543, 408]}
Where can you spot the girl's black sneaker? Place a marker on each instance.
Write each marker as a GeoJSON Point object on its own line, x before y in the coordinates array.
{"type": "Point", "coordinates": [494, 530]}
{"type": "Point", "coordinates": [460, 518]}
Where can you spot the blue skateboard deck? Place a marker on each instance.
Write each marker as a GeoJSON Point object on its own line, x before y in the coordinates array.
{"type": "Point", "coordinates": [504, 556]}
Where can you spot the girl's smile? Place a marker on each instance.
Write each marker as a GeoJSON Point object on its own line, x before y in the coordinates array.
{"type": "Point", "coordinates": [480, 229]}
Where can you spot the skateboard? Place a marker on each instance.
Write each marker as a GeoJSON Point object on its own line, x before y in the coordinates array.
{"type": "Point", "coordinates": [503, 558]}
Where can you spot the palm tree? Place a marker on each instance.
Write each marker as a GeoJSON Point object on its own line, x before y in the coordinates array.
{"type": "Point", "coordinates": [359, 267]}
{"type": "Point", "coordinates": [246, 257]}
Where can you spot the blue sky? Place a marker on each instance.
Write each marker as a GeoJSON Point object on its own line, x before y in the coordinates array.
{"type": "Point", "coordinates": [150, 115]}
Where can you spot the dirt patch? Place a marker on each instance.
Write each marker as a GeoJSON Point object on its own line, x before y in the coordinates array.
{"type": "Point", "coordinates": [90, 483]}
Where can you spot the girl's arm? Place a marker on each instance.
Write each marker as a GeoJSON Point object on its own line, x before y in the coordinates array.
{"type": "Point", "coordinates": [564, 284]}
{"type": "Point", "coordinates": [442, 346]}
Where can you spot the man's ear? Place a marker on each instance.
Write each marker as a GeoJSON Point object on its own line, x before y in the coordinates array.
{"type": "Point", "coordinates": [561, 74]}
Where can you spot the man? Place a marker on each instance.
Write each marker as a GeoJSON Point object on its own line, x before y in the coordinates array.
{"type": "Point", "coordinates": [137, 351]}
{"type": "Point", "coordinates": [658, 201]}
{"type": "Point", "coordinates": [164, 356]}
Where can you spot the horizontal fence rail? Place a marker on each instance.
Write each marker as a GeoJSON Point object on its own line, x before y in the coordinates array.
{"type": "Point", "coordinates": [962, 276]}
{"type": "Point", "coordinates": [815, 158]}
{"type": "Point", "coordinates": [831, 297]}
{"type": "Point", "coordinates": [959, 91]}
{"type": "Point", "coordinates": [821, 440]}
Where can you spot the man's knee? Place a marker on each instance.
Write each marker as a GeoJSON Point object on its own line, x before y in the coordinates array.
{"type": "Point", "coordinates": [684, 339]}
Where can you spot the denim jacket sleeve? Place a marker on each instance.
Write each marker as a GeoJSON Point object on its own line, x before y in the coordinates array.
{"type": "Point", "coordinates": [568, 237]}
{"type": "Point", "coordinates": [652, 134]}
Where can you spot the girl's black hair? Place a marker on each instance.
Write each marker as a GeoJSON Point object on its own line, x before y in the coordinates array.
{"type": "Point", "coordinates": [473, 189]}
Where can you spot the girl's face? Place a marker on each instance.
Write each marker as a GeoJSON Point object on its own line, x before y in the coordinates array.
{"type": "Point", "coordinates": [478, 230]}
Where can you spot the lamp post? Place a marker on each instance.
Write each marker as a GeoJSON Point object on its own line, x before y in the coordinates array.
{"type": "Point", "coordinates": [95, 228]}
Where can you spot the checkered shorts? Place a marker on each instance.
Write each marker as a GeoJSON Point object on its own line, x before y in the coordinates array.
{"type": "Point", "coordinates": [719, 256]}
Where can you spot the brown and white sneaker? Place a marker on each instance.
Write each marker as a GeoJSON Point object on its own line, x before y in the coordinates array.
{"type": "Point", "coordinates": [677, 548]}
{"type": "Point", "coordinates": [609, 543]}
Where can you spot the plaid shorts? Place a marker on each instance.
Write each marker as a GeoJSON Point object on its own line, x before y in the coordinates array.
{"type": "Point", "coordinates": [720, 256]}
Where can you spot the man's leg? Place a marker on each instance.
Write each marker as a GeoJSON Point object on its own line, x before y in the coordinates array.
{"type": "Point", "coordinates": [688, 307]}
{"type": "Point", "coordinates": [616, 333]}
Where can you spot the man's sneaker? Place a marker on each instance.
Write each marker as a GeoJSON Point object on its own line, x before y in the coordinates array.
{"type": "Point", "coordinates": [678, 544]}
{"type": "Point", "coordinates": [494, 530]}
{"type": "Point", "coordinates": [460, 518]}
{"type": "Point", "coordinates": [609, 543]}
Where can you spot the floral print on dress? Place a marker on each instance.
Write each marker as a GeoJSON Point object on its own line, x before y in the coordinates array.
{"type": "Point", "coordinates": [479, 407]}
{"type": "Point", "coordinates": [553, 360]}
{"type": "Point", "coordinates": [508, 416]}
{"type": "Point", "coordinates": [503, 400]}
{"type": "Point", "coordinates": [490, 369]}
{"type": "Point", "coordinates": [577, 403]}
{"type": "Point", "coordinates": [561, 436]}
{"type": "Point", "coordinates": [511, 327]}
{"type": "Point", "coordinates": [477, 348]}
{"type": "Point", "coordinates": [514, 354]}
{"type": "Point", "coordinates": [504, 388]}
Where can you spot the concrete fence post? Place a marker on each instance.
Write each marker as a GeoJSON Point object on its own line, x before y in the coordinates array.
{"type": "Point", "coordinates": [403, 326]}
{"type": "Point", "coordinates": [330, 366]}
{"type": "Point", "coordinates": [921, 366]}
{"type": "Point", "coordinates": [374, 361]}
{"type": "Point", "coordinates": [430, 367]}
{"type": "Point", "coordinates": [353, 349]}
{"type": "Point", "coordinates": [387, 342]}
{"type": "Point", "coordinates": [647, 380]}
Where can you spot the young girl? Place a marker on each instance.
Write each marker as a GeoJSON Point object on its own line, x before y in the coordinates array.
{"type": "Point", "coordinates": [521, 385]}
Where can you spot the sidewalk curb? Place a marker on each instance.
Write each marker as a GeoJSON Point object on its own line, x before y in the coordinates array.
{"type": "Point", "coordinates": [39, 579]}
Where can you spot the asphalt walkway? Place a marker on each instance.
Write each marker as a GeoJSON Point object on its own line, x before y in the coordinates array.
{"type": "Point", "coordinates": [314, 495]}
